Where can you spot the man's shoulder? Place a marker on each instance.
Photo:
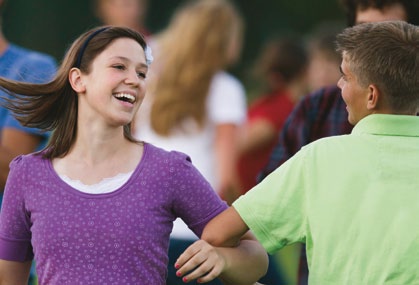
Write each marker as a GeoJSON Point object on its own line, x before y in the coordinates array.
{"type": "Point", "coordinates": [29, 55]}
{"type": "Point", "coordinates": [27, 65]}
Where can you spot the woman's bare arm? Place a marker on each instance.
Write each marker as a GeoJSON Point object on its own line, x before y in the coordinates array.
{"type": "Point", "coordinates": [227, 250]}
{"type": "Point", "coordinates": [14, 273]}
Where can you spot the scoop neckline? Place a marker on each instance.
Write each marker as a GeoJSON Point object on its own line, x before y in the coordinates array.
{"type": "Point", "coordinates": [56, 178]}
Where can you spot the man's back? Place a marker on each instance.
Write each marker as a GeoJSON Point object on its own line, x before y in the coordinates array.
{"type": "Point", "coordinates": [375, 237]}
{"type": "Point", "coordinates": [352, 199]}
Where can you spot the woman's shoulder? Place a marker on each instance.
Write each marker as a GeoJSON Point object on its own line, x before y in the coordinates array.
{"type": "Point", "coordinates": [157, 153]}
{"type": "Point", "coordinates": [25, 164]}
{"type": "Point", "coordinates": [226, 80]}
{"type": "Point", "coordinates": [31, 158]}
{"type": "Point", "coordinates": [227, 99]}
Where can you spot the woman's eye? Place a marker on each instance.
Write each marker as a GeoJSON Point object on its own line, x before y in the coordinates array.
{"type": "Point", "coordinates": [121, 67]}
{"type": "Point", "coordinates": [142, 74]}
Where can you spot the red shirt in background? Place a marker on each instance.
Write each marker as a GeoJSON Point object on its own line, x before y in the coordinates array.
{"type": "Point", "coordinates": [275, 108]}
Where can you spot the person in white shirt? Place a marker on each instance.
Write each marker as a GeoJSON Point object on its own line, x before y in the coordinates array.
{"type": "Point", "coordinates": [193, 105]}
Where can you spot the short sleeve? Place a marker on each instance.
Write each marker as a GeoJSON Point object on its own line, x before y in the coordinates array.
{"type": "Point", "coordinates": [275, 209]}
{"type": "Point", "coordinates": [195, 202]}
{"type": "Point", "coordinates": [36, 68]}
{"type": "Point", "coordinates": [226, 100]}
{"type": "Point", "coordinates": [15, 235]}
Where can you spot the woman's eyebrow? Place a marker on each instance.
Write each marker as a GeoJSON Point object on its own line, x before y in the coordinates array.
{"type": "Point", "coordinates": [123, 58]}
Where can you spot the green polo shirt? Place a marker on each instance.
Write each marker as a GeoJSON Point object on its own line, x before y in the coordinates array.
{"type": "Point", "coordinates": [353, 199]}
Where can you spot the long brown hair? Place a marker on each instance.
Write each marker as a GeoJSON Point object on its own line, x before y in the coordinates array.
{"type": "Point", "coordinates": [53, 106]}
{"type": "Point", "coordinates": [191, 50]}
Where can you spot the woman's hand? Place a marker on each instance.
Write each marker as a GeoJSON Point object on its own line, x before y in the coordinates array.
{"type": "Point", "coordinates": [228, 250]}
{"type": "Point", "coordinates": [200, 261]}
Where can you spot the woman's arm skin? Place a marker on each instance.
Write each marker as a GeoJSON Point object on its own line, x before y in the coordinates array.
{"type": "Point", "coordinates": [227, 250]}
{"type": "Point", "coordinates": [14, 273]}
{"type": "Point", "coordinates": [226, 229]}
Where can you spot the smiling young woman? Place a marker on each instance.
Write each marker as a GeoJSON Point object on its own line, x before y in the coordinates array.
{"type": "Point", "coordinates": [96, 205]}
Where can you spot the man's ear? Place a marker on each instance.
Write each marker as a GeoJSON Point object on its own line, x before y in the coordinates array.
{"type": "Point", "coordinates": [374, 95]}
{"type": "Point", "coordinates": [76, 81]}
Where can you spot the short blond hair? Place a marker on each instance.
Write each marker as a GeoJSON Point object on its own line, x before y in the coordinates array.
{"type": "Point", "coordinates": [385, 54]}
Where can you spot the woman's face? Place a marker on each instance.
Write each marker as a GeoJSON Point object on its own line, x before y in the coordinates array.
{"type": "Point", "coordinates": [129, 13]}
{"type": "Point", "coordinates": [115, 86]}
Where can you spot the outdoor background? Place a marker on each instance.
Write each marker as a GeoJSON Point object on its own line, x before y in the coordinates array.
{"type": "Point", "coordinates": [51, 25]}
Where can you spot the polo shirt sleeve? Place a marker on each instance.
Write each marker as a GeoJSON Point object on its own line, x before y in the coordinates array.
{"type": "Point", "coordinates": [275, 209]}
{"type": "Point", "coordinates": [15, 235]}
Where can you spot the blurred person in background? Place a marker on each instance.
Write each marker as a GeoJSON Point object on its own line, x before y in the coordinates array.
{"type": "Point", "coordinates": [323, 112]}
{"type": "Point", "coordinates": [324, 60]}
{"type": "Point", "coordinates": [281, 70]}
{"type": "Point", "coordinates": [21, 64]}
{"type": "Point", "coordinates": [193, 105]}
{"type": "Point", "coordinates": [126, 13]}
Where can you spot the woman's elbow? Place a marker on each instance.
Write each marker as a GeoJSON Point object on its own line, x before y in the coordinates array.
{"type": "Point", "coordinates": [216, 239]}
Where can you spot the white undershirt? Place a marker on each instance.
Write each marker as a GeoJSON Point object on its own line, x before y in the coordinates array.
{"type": "Point", "coordinates": [107, 185]}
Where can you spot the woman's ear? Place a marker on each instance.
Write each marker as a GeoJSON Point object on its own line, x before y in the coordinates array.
{"type": "Point", "coordinates": [76, 81]}
{"type": "Point", "coordinates": [374, 95]}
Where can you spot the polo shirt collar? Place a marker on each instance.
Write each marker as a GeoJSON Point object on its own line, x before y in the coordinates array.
{"type": "Point", "coordinates": [390, 125]}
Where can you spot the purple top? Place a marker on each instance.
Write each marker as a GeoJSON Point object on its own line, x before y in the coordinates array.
{"type": "Point", "coordinates": [115, 238]}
